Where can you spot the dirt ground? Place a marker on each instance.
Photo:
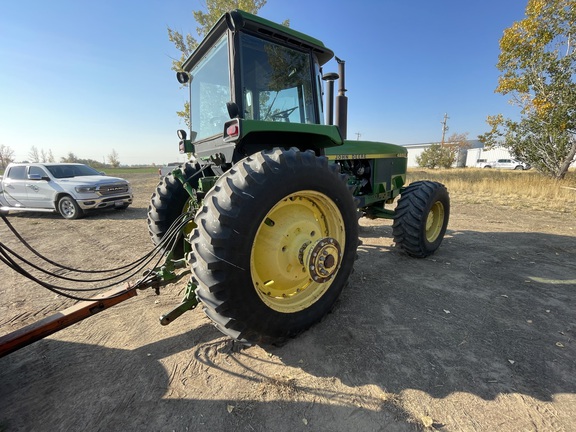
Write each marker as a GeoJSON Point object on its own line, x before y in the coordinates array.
{"type": "Point", "coordinates": [479, 337]}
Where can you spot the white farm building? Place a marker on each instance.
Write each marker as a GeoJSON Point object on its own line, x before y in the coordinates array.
{"type": "Point", "coordinates": [469, 157]}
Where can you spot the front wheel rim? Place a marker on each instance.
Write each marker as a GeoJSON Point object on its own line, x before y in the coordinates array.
{"type": "Point", "coordinates": [297, 251]}
{"type": "Point", "coordinates": [67, 208]}
{"type": "Point", "coordinates": [434, 221]}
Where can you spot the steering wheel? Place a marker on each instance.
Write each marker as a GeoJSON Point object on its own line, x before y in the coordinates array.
{"type": "Point", "coordinates": [284, 114]}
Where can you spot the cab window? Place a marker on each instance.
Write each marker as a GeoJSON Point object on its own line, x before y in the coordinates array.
{"type": "Point", "coordinates": [211, 91]}
{"type": "Point", "coordinates": [276, 82]}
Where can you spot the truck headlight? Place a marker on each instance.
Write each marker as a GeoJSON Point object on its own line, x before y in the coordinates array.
{"type": "Point", "coordinates": [85, 189]}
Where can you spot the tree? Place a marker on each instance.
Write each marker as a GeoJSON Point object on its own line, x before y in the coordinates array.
{"type": "Point", "coordinates": [6, 156]}
{"type": "Point", "coordinates": [113, 159]}
{"type": "Point", "coordinates": [71, 158]}
{"type": "Point", "coordinates": [443, 155]}
{"type": "Point", "coordinates": [40, 156]}
{"type": "Point", "coordinates": [186, 44]}
{"type": "Point", "coordinates": [34, 155]}
{"type": "Point", "coordinates": [538, 65]}
{"type": "Point", "coordinates": [436, 156]}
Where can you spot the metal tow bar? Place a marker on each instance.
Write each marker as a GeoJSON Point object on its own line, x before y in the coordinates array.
{"type": "Point", "coordinates": [60, 320]}
{"type": "Point", "coordinates": [85, 309]}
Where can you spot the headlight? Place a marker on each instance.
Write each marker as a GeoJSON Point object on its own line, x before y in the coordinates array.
{"type": "Point", "coordinates": [85, 189]}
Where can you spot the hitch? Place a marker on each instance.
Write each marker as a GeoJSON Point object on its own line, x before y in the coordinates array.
{"type": "Point", "coordinates": [189, 302]}
{"type": "Point", "coordinates": [163, 274]}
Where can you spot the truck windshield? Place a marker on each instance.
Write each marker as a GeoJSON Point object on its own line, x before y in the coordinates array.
{"type": "Point", "coordinates": [276, 82]}
{"type": "Point", "coordinates": [64, 171]}
{"type": "Point", "coordinates": [211, 91]}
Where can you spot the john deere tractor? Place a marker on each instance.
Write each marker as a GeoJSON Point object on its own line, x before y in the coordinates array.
{"type": "Point", "coordinates": [266, 210]}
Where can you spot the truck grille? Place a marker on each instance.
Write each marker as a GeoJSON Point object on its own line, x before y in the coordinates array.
{"type": "Point", "coordinates": [113, 189]}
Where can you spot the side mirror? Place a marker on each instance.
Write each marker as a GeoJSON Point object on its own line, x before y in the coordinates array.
{"type": "Point", "coordinates": [182, 77]}
{"type": "Point", "coordinates": [233, 110]}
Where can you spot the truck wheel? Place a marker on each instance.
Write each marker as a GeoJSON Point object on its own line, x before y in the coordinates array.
{"type": "Point", "coordinates": [168, 202]}
{"type": "Point", "coordinates": [275, 245]}
{"type": "Point", "coordinates": [69, 208]}
{"type": "Point", "coordinates": [421, 218]}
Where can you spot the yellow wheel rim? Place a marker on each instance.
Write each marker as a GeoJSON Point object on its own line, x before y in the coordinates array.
{"type": "Point", "coordinates": [297, 251]}
{"type": "Point", "coordinates": [434, 221]}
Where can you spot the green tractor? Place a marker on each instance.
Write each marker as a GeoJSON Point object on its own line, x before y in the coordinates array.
{"type": "Point", "coordinates": [266, 210]}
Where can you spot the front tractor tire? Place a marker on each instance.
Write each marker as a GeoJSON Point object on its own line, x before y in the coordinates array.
{"type": "Point", "coordinates": [168, 202]}
{"type": "Point", "coordinates": [275, 245]}
{"type": "Point", "coordinates": [421, 218]}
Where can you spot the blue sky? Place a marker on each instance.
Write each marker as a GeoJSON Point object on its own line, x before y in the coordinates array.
{"type": "Point", "coordinates": [90, 77]}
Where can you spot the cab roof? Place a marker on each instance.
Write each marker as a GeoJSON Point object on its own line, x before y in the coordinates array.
{"type": "Point", "coordinates": [238, 20]}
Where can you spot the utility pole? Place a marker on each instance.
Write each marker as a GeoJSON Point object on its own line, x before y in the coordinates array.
{"type": "Point", "coordinates": [444, 128]}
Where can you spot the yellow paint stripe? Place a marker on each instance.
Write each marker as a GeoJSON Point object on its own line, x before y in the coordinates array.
{"type": "Point", "coordinates": [367, 156]}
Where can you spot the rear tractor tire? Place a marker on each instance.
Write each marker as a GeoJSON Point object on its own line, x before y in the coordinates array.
{"type": "Point", "coordinates": [421, 218]}
{"type": "Point", "coordinates": [168, 202]}
{"type": "Point", "coordinates": [275, 245]}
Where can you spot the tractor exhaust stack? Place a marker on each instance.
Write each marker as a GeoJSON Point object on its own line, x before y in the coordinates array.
{"type": "Point", "coordinates": [342, 101]}
{"type": "Point", "coordinates": [330, 78]}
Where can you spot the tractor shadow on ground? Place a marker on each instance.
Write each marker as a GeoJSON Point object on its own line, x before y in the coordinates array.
{"type": "Point", "coordinates": [489, 313]}
{"type": "Point", "coordinates": [60, 386]}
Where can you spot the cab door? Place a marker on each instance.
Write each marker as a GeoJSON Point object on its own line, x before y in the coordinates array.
{"type": "Point", "coordinates": [39, 191]}
{"type": "Point", "coordinates": [14, 186]}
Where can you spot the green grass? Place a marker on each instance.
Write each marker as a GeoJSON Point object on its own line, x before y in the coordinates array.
{"type": "Point", "coordinates": [119, 172]}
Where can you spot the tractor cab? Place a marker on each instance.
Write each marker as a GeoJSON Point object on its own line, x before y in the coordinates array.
{"type": "Point", "coordinates": [255, 84]}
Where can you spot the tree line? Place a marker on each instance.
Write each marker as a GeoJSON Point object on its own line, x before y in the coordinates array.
{"type": "Point", "coordinates": [36, 155]}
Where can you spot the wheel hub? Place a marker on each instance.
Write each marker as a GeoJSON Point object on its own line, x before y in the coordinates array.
{"type": "Point", "coordinates": [297, 251]}
{"type": "Point", "coordinates": [323, 259]}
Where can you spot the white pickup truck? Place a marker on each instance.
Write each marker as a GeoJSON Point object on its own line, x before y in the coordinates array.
{"type": "Point", "coordinates": [67, 188]}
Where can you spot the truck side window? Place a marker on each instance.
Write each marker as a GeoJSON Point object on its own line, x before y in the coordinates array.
{"type": "Point", "coordinates": [17, 173]}
{"type": "Point", "coordinates": [37, 170]}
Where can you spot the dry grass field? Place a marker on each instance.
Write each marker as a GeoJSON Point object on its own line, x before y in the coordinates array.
{"type": "Point", "coordinates": [517, 189]}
